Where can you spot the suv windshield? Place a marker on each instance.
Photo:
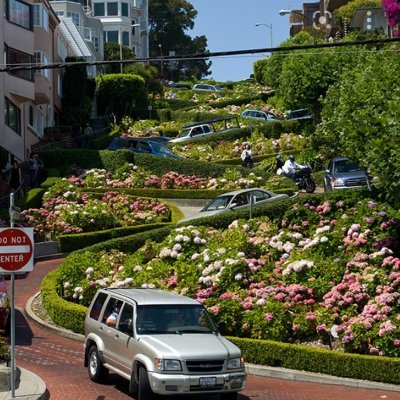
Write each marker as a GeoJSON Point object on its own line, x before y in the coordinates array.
{"type": "Point", "coordinates": [184, 133]}
{"type": "Point", "coordinates": [347, 166]}
{"type": "Point", "coordinates": [173, 318]}
{"type": "Point", "coordinates": [161, 148]}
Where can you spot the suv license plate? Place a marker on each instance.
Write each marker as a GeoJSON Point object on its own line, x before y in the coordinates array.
{"type": "Point", "coordinates": [207, 382]}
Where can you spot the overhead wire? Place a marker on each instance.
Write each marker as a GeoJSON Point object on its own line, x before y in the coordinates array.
{"type": "Point", "coordinates": [199, 56]}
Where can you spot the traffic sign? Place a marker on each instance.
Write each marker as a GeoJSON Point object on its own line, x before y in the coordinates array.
{"type": "Point", "coordinates": [16, 249]}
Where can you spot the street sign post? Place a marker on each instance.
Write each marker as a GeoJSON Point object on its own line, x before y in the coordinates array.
{"type": "Point", "coordinates": [16, 256]}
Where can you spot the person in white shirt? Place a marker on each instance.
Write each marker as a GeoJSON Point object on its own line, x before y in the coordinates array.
{"type": "Point", "coordinates": [290, 167]}
{"type": "Point", "coordinates": [247, 156]}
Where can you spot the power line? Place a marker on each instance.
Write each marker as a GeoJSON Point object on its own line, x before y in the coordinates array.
{"type": "Point", "coordinates": [193, 57]}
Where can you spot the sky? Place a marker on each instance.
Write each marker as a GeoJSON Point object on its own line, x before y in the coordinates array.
{"type": "Point", "coordinates": [230, 25]}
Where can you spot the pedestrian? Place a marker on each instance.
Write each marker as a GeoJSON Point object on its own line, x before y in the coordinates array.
{"type": "Point", "coordinates": [279, 164]}
{"type": "Point", "coordinates": [247, 156]}
{"type": "Point", "coordinates": [35, 166]}
{"type": "Point", "coordinates": [113, 317]}
{"type": "Point", "coordinates": [87, 134]}
{"type": "Point", "coordinates": [15, 178]}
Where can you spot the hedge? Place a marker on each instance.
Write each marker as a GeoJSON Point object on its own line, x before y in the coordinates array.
{"type": "Point", "coordinates": [112, 160]}
{"type": "Point", "coordinates": [311, 359]}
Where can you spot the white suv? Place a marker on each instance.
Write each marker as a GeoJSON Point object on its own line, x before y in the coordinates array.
{"type": "Point", "coordinates": [163, 343]}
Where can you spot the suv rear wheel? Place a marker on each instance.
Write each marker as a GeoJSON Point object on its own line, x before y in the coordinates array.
{"type": "Point", "coordinates": [97, 371]}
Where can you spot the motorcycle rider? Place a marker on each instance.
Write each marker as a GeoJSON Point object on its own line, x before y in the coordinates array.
{"type": "Point", "coordinates": [290, 167]}
{"type": "Point", "coordinates": [279, 164]}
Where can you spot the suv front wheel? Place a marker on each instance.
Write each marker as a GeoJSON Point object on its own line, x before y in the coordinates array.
{"type": "Point", "coordinates": [144, 389]}
{"type": "Point", "coordinates": [97, 371]}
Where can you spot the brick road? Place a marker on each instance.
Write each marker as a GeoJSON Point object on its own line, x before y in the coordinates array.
{"type": "Point", "coordinates": [59, 362]}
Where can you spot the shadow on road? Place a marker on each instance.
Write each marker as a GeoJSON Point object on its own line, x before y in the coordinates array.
{"type": "Point", "coordinates": [23, 332]}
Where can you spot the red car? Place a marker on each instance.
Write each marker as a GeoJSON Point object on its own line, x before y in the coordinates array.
{"type": "Point", "coordinates": [4, 305]}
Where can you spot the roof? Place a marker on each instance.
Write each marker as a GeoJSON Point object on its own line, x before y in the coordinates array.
{"type": "Point", "coordinates": [152, 296]}
{"type": "Point", "coordinates": [210, 121]}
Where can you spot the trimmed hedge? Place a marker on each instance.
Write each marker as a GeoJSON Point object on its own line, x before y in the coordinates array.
{"type": "Point", "coordinates": [311, 359]}
{"type": "Point", "coordinates": [111, 160]}
{"type": "Point", "coordinates": [69, 243]}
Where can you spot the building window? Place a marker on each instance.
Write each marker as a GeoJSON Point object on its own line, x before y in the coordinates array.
{"type": "Point", "coordinates": [125, 38]}
{"type": "Point", "coordinates": [41, 58]}
{"type": "Point", "coordinates": [36, 120]}
{"type": "Point", "coordinates": [59, 85]}
{"type": "Point", "coordinates": [124, 9]}
{"type": "Point", "coordinates": [60, 13]}
{"type": "Point", "coordinates": [12, 116]}
{"type": "Point", "coordinates": [19, 13]}
{"type": "Point", "coordinates": [18, 57]}
{"type": "Point", "coordinates": [31, 116]}
{"type": "Point", "coordinates": [112, 36]}
{"type": "Point", "coordinates": [99, 9]}
{"type": "Point", "coordinates": [112, 9]}
{"type": "Point", "coordinates": [76, 18]}
{"type": "Point", "coordinates": [41, 16]}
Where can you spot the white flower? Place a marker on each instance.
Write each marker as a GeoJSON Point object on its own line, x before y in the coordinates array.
{"type": "Point", "coordinates": [67, 285]}
{"type": "Point", "coordinates": [206, 258]}
{"type": "Point", "coordinates": [197, 240]}
{"type": "Point", "coordinates": [324, 239]}
{"type": "Point", "coordinates": [261, 302]}
{"type": "Point", "coordinates": [174, 254]}
{"type": "Point", "coordinates": [177, 247]}
{"type": "Point", "coordinates": [195, 256]}
{"type": "Point", "coordinates": [178, 238]}
{"type": "Point", "coordinates": [238, 277]}
{"type": "Point", "coordinates": [89, 271]}
{"type": "Point", "coordinates": [137, 268]}
{"type": "Point", "coordinates": [240, 254]}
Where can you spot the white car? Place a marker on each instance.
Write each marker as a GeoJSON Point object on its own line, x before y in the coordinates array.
{"type": "Point", "coordinates": [205, 87]}
{"type": "Point", "coordinates": [237, 200]}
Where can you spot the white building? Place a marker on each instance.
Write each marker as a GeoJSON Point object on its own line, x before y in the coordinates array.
{"type": "Point", "coordinates": [125, 22]}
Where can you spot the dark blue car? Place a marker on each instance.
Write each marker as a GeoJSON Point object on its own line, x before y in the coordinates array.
{"type": "Point", "coordinates": [142, 145]}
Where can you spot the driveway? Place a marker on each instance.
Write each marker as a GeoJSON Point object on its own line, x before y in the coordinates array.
{"type": "Point", "coordinates": [59, 362]}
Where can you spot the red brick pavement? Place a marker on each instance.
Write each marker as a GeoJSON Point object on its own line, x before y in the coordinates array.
{"type": "Point", "coordinates": [59, 362]}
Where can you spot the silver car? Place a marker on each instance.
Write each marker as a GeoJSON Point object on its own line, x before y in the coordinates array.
{"type": "Point", "coordinates": [162, 343]}
{"type": "Point", "coordinates": [237, 200]}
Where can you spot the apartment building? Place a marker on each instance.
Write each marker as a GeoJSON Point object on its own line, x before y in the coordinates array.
{"type": "Point", "coordinates": [124, 22]}
{"type": "Point", "coordinates": [26, 96]}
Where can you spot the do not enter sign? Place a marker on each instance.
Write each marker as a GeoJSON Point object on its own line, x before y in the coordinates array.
{"type": "Point", "coordinates": [16, 249]}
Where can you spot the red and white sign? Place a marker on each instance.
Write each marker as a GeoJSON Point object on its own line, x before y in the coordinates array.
{"type": "Point", "coordinates": [16, 249]}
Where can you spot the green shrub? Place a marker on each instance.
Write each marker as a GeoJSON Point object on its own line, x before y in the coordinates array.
{"type": "Point", "coordinates": [165, 115]}
{"type": "Point", "coordinates": [33, 199]}
{"type": "Point", "coordinates": [311, 359]}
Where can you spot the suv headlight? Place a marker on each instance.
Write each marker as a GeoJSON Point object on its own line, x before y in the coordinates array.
{"type": "Point", "coordinates": [3, 300]}
{"type": "Point", "coordinates": [167, 365]}
{"type": "Point", "coordinates": [339, 182]}
{"type": "Point", "coordinates": [235, 363]}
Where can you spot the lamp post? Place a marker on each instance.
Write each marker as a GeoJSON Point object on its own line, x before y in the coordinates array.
{"type": "Point", "coordinates": [269, 26]}
{"type": "Point", "coordinates": [161, 61]}
{"type": "Point", "coordinates": [286, 12]}
{"type": "Point", "coordinates": [120, 43]}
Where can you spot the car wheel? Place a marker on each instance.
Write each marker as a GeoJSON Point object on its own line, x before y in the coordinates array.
{"type": "Point", "coordinates": [97, 371]}
{"type": "Point", "coordinates": [144, 389]}
{"type": "Point", "coordinates": [229, 396]}
{"type": "Point", "coordinates": [133, 386]}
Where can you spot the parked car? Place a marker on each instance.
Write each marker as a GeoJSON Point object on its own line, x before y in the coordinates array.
{"type": "Point", "coordinates": [205, 128]}
{"type": "Point", "coordinates": [193, 132]}
{"type": "Point", "coordinates": [142, 145]}
{"type": "Point", "coordinates": [343, 173]}
{"type": "Point", "coordinates": [237, 200]}
{"type": "Point", "coordinates": [259, 115]}
{"type": "Point", "coordinates": [205, 87]}
{"type": "Point", "coordinates": [157, 350]}
{"type": "Point", "coordinates": [300, 114]}
{"type": "Point", "coordinates": [4, 305]}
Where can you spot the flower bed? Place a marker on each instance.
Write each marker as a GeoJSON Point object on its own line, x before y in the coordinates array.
{"type": "Point", "coordinates": [68, 211]}
{"type": "Point", "coordinates": [332, 270]}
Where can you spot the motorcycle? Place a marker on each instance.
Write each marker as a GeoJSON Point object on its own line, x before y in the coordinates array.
{"type": "Point", "coordinates": [303, 179]}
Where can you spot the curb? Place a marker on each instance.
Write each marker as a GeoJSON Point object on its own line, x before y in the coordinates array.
{"type": "Point", "coordinates": [251, 369]}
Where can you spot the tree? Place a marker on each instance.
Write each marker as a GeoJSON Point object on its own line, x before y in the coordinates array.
{"type": "Point", "coordinates": [77, 94]}
{"type": "Point", "coordinates": [169, 20]}
{"type": "Point", "coordinates": [112, 52]}
{"type": "Point", "coordinates": [122, 94]}
{"type": "Point", "coordinates": [361, 118]}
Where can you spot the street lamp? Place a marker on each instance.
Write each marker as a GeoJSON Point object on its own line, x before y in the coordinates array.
{"type": "Point", "coordinates": [286, 12]}
{"type": "Point", "coordinates": [120, 43]}
{"type": "Point", "coordinates": [161, 61]}
{"type": "Point", "coordinates": [270, 30]}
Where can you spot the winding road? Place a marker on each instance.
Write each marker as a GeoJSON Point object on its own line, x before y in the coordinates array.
{"type": "Point", "coordinates": [59, 362]}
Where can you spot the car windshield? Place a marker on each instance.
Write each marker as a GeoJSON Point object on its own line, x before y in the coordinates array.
{"type": "Point", "coordinates": [219, 203]}
{"type": "Point", "coordinates": [218, 88]}
{"type": "Point", "coordinates": [347, 166]}
{"type": "Point", "coordinates": [161, 148]}
{"type": "Point", "coordinates": [184, 133]}
{"type": "Point", "coordinates": [173, 319]}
